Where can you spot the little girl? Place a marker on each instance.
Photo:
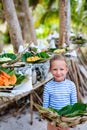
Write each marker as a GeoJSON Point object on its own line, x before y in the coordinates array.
{"type": "Point", "coordinates": [60, 91]}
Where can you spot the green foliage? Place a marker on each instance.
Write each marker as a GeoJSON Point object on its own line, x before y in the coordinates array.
{"type": "Point", "coordinates": [79, 16]}
{"type": "Point", "coordinates": [54, 110]}
{"type": "Point", "coordinates": [20, 78]}
{"type": "Point", "coordinates": [25, 56]}
{"type": "Point", "coordinates": [79, 40]}
{"type": "Point", "coordinates": [50, 13]}
{"type": "Point", "coordinates": [43, 55]}
{"type": "Point", "coordinates": [8, 70]}
{"type": "Point", "coordinates": [72, 110]}
{"type": "Point", "coordinates": [1, 6]}
{"type": "Point", "coordinates": [9, 55]}
{"type": "Point", "coordinates": [5, 38]}
{"type": "Point", "coordinates": [42, 31]}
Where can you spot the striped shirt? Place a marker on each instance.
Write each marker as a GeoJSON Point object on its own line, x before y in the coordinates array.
{"type": "Point", "coordinates": [59, 94]}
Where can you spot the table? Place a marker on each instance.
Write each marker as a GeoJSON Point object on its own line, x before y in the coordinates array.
{"type": "Point", "coordinates": [20, 91]}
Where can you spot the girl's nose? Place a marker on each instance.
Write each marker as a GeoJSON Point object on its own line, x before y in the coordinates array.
{"type": "Point", "coordinates": [58, 72]}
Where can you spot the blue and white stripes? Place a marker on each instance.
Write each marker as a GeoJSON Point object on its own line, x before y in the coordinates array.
{"type": "Point", "coordinates": [59, 94]}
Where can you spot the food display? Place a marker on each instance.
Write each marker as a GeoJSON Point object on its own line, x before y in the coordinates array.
{"type": "Point", "coordinates": [59, 51]}
{"type": "Point", "coordinates": [38, 62]}
{"type": "Point", "coordinates": [79, 40]}
{"type": "Point", "coordinates": [6, 57]}
{"type": "Point", "coordinates": [34, 58]}
{"type": "Point", "coordinates": [6, 79]}
{"type": "Point", "coordinates": [9, 78]}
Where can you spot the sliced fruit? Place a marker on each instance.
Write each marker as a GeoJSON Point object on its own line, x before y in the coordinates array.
{"type": "Point", "coordinates": [5, 74]}
{"type": "Point", "coordinates": [13, 79]}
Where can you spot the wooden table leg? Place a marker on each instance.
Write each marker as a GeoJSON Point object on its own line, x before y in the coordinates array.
{"type": "Point", "coordinates": [31, 107]}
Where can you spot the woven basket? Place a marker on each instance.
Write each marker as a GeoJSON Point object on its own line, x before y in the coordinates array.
{"type": "Point", "coordinates": [58, 120]}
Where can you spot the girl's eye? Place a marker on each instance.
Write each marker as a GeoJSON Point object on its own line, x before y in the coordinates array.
{"type": "Point", "coordinates": [54, 69]}
{"type": "Point", "coordinates": [61, 69]}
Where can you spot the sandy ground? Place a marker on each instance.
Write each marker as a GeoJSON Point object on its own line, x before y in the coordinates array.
{"type": "Point", "coordinates": [22, 122]}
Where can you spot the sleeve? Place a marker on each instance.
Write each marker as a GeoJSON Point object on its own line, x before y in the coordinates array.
{"type": "Point", "coordinates": [46, 97]}
{"type": "Point", "coordinates": [73, 96]}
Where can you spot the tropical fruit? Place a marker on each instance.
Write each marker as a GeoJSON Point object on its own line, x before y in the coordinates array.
{"type": "Point", "coordinates": [6, 79]}
{"type": "Point", "coordinates": [33, 59]}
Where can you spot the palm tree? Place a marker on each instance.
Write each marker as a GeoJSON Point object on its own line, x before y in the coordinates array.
{"type": "Point", "coordinates": [79, 16]}
{"type": "Point", "coordinates": [13, 24]}
{"type": "Point", "coordinates": [30, 21]}
{"type": "Point", "coordinates": [64, 25]}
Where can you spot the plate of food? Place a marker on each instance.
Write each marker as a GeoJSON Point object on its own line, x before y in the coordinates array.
{"type": "Point", "coordinates": [36, 58]}
{"type": "Point", "coordinates": [7, 57]}
{"type": "Point", "coordinates": [9, 78]}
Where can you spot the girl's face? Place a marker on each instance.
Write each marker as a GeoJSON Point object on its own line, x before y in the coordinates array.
{"type": "Point", "coordinates": [59, 70]}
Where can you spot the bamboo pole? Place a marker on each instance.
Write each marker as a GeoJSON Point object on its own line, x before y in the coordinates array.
{"type": "Point", "coordinates": [76, 80]}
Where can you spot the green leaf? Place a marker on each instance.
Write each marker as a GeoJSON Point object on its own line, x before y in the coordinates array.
{"type": "Point", "coordinates": [25, 56]}
{"type": "Point", "coordinates": [52, 49]}
{"type": "Point", "coordinates": [9, 55]}
{"type": "Point", "coordinates": [53, 110]}
{"type": "Point", "coordinates": [43, 55]}
{"type": "Point", "coordinates": [20, 78]}
{"type": "Point", "coordinates": [8, 70]}
{"type": "Point", "coordinates": [76, 108]}
{"type": "Point", "coordinates": [75, 113]}
{"type": "Point", "coordinates": [65, 110]}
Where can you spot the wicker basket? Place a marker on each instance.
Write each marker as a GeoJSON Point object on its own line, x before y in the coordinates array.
{"type": "Point", "coordinates": [58, 120]}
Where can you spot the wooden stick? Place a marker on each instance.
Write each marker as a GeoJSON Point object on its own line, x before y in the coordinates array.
{"type": "Point", "coordinates": [81, 82]}
{"type": "Point", "coordinates": [37, 96]}
{"type": "Point", "coordinates": [19, 110]}
{"type": "Point", "coordinates": [18, 56]}
{"type": "Point", "coordinates": [80, 59]}
{"type": "Point", "coordinates": [76, 80]}
{"type": "Point", "coordinates": [82, 54]}
{"type": "Point", "coordinates": [31, 107]}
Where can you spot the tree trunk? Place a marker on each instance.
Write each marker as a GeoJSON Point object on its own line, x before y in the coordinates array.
{"type": "Point", "coordinates": [64, 25]}
{"type": "Point", "coordinates": [13, 24]}
{"type": "Point", "coordinates": [30, 21]}
{"type": "Point", "coordinates": [23, 22]}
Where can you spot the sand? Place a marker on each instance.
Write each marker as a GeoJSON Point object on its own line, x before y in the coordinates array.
{"type": "Point", "coordinates": [22, 122]}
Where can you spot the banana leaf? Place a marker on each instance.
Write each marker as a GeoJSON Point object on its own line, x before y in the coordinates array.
{"type": "Point", "coordinates": [7, 55]}
{"type": "Point", "coordinates": [75, 113]}
{"type": "Point", "coordinates": [20, 79]}
{"type": "Point", "coordinates": [25, 56]}
{"type": "Point", "coordinates": [8, 70]}
{"type": "Point", "coordinates": [52, 49]}
{"type": "Point", "coordinates": [69, 109]}
{"type": "Point", "coordinates": [43, 55]}
{"type": "Point", "coordinates": [76, 109]}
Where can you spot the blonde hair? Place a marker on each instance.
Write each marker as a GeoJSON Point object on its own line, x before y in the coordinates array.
{"type": "Point", "coordinates": [58, 57]}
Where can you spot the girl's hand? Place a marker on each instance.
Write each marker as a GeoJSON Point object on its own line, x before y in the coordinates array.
{"type": "Point", "coordinates": [59, 128]}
